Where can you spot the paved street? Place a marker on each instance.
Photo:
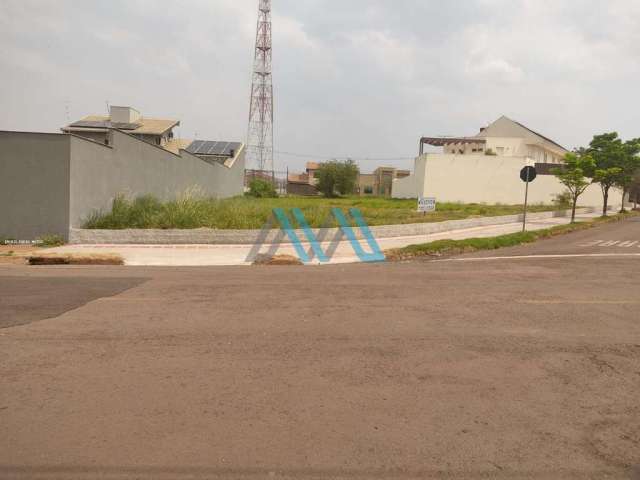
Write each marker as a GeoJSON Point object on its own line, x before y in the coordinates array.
{"type": "Point", "coordinates": [506, 368]}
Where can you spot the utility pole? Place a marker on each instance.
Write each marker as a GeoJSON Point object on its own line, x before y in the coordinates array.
{"type": "Point", "coordinates": [260, 131]}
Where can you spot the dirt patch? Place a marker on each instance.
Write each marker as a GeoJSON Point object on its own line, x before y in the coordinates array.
{"type": "Point", "coordinates": [71, 259]}
{"type": "Point", "coordinates": [16, 254]}
{"type": "Point", "coordinates": [277, 260]}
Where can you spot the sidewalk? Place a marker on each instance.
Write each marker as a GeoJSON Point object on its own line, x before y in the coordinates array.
{"type": "Point", "coordinates": [219, 255]}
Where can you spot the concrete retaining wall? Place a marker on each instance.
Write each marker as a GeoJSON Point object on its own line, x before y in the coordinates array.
{"type": "Point", "coordinates": [205, 236]}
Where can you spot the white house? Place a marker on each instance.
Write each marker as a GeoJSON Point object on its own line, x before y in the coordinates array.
{"type": "Point", "coordinates": [485, 168]}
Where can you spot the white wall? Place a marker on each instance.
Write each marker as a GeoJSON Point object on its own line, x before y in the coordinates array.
{"type": "Point", "coordinates": [485, 179]}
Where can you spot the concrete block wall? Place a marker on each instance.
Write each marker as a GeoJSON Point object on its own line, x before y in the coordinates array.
{"type": "Point", "coordinates": [50, 183]}
{"type": "Point", "coordinates": [34, 185]}
{"type": "Point", "coordinates": [132, 167]}
{"type": "Point", "coordinates": [205, 236]}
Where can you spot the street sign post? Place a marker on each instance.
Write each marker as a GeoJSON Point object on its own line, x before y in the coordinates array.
{"type": "Point", "coordinates": [426, 204]}
{"type": "Point", "coordinates": [527, 175]}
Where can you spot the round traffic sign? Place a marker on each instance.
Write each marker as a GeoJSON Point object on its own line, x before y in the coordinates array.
{"type": "Point", "coordinates": [528, 174]}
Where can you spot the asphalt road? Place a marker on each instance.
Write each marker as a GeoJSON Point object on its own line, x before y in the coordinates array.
{"type": "Point", "coordinates": [620, 238]}
{"type": "Point", "coordinates": [507, 368]}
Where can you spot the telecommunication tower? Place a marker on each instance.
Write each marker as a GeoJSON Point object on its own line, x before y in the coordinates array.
{"type": "Point", "coordinates": [260, 132]}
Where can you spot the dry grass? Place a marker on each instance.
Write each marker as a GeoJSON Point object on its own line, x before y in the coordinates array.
{"type": "Point", "coordinates": [190, 211]}
{"type": "Point", "coordinates": [16, 254]}
{"type": "Point", "coordinates": [75, 259]}
{"type": "Point", "coordinates": [277, 260]}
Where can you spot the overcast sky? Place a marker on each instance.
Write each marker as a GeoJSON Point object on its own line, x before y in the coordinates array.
{"type": "Point", "coordinates": [360, 78]}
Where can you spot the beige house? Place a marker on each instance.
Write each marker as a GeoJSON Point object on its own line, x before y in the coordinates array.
{"type": "Point", "coordinates": [484, 168]}
{"type": "Point", "coordinates": [156, 131]}
{"type": "Point", "coordinates": [505, 138]}
{"type": "Point", "coordinates": [379, 183]}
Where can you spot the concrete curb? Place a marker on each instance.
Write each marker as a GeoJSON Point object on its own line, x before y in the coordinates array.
{"type": "Point", "coordinates": [206, 236]}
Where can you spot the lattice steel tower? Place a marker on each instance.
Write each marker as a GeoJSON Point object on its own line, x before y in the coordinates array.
{"type": "Point", "coordinates": [260, 134]}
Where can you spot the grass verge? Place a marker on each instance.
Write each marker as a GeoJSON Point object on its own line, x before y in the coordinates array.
{"type": "Point", "coordinates": [190, 211]}
{"type": "Point", "coordinates": [441, 248]}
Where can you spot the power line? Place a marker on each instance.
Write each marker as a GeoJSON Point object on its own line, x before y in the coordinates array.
{"type": "Point", "coordinates": [337, 157]}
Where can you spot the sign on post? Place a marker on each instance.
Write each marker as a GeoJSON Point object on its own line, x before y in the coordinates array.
{"type": "Point", "coordinates": [527, 175]}
{"type": "Point", "coordinates": [426, 204]}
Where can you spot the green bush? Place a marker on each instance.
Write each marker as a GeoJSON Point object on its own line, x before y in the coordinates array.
{"type": "Point", "coordinates": [260, 188]}
{"type": "Point", "coordinates": [50, 241]}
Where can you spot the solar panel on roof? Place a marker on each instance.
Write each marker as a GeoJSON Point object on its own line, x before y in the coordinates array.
{"type": "Point", "coordinates": [104, 124]}
{"type": "Point", "coordinates": [90, 124]}
{"type": "Point", "coordinates": [212, 148]}
{"type": "Point", "coordinates": [195, 145]}
{"type": "Point", "coordinates": [235, 146]}
{"type": "Point", "coordinates": [220, 149]}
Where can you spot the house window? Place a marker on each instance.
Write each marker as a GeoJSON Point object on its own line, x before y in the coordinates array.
{"type": "Point", "coordinates": [500, 150]}
{"type": "Point", "coordinates": [368, 189]}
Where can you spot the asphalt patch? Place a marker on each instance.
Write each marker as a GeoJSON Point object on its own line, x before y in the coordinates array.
{"type": "Point", "coordinates": [30, 299]}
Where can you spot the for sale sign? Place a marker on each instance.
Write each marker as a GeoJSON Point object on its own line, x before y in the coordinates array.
{"type": "Point", "coordinates": [426, 204]}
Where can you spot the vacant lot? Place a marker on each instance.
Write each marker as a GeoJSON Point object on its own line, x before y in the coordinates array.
{"type": "Point", "coordinates": [248, 213]}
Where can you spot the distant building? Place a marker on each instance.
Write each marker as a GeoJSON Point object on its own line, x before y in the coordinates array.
{"type": "Point", "coordinates": [485, 168]}
{"type": "Point", "coordinates": [300, 184]}
{"type": "Point", "coordinates": [311, 170]}
{"type": "Point", "coordinates": [380, 182]}
{"type": "Point", "coordinates": [156, 131]}
{"type": "Point", "coordinates": [98, 128]}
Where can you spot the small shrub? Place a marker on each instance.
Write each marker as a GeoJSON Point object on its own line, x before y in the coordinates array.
{"type": "Point", "coordinates": [563, 200]}
{"type": "Point", "coordinates": [260, 188]}
{"type": "Point", "coordinates": [51, 240]}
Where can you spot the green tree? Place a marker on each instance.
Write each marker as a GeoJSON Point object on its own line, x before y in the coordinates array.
{"type": "Point", "coordinates": [347, 180]}
{"type": "Point", "coordinates": [630, 168]}
{"type": "Point", "coordinates": [635, 190]}
{"type": "Point", "coordinates": [607, 151]}
{"type": "Point", "coordinates": [336, 177]}
{"type": "Point", "coordinates": [573, 176]}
